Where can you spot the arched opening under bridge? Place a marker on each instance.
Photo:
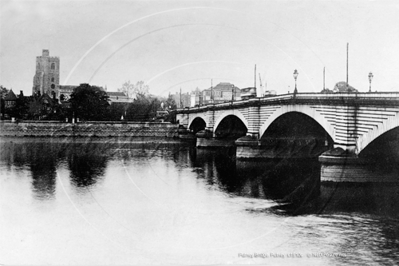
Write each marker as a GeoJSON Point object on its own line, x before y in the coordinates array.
{"type": "Point", "coordinates": [295, 134]}
{"type": "Point", "coordinates": [231, 127]}
{"type": "Point", "coordinates": [197, 125]}
{"type": "Point", "coordinates": [383, 152]}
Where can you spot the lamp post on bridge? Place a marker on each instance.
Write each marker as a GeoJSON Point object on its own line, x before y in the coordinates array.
{"type": "Point", "coordinates": [295, 77]}
{"type": "Point", "coordinates": [370, 79]}
{"type": "Point", "coordinates": [232, 93]}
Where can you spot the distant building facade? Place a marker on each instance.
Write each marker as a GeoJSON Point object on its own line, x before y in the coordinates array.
{"type": "Point", "coordinates": [343, 87]}
{"type": "Point", "coordinates": [10, 100]}
{"type": "Point", "coordinates": [118, 97]}
{"type": "Point", "coordinates": [47, 75]}
{"type": "Point", "coordinates": [222, 92]}
{"type": "Point", "coordinates": [64, 92]}
{"type": "Point", "coordinates": [182, 100]}
{"type": "Point", "coordinates": [196, 98]}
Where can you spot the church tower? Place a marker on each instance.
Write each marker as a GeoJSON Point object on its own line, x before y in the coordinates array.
{"type": "Point", "coordinates": [47, 76]}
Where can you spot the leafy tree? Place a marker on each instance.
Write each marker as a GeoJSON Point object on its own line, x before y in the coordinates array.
{"type": "Point", "coordinates": [127, 88]}
{"type": "Point", "coordinates": [41, 107]}
{"type": "Point", "coordinates": [90, 102]}
{"type": "Point", "coordinates": [132, 90]}
{"type": "Point", "coordinates": [143, 108]}
{"type": "Point", "coordinates": [170, 103]}
{"type": "Point", "coordinates": [21, 107]}
{"type": "Point", "coordinates": [141, 88]}
{"type": "Point", "coordinates": [117, 110]}
{"type": "Point", "coordinates": [34, 108]}
{"type": "Point", "coordinates": [3, 94]}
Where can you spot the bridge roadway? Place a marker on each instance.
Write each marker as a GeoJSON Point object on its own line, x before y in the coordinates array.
{"type": "Point", "coordinates": [337, 128]}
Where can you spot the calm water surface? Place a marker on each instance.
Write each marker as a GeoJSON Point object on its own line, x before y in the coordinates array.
{"type": "Point", "coordinates": [140, 201]}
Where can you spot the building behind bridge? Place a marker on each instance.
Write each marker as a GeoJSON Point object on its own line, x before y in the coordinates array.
{"type": "Point", "coordinates": [222, 92]}
{"type": "Point", "coordinates": [182, 100]}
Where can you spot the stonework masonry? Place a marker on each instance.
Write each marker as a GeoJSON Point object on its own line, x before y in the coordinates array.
{"type": "Point", "coordinates": [47, 75]}
{"type": "Point", "coordinates": [87, 129]}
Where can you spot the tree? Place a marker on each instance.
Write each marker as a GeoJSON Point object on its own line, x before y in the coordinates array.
{"type": "Point", "coordinates": [127, 88]}
{"type": "Point", "coordinates": [41, 107]}
{"type": "Point", "coordinates": [3, 94]}
{"type": "Point", "coordinates": [34, 108]}
{"type": "Point", "coordinates": [132, 90]}
{"type": "Point", "coordinates": [116, 111]}
{"type": "Point", "coordinates": [141, 88]}
{"type": "Point", "coordinates": [89, 102]}
{"type": "Point", "coordinates": [170, 103]}
{"type": "Point", "coordinates": [143, 108]}
{"type": "Point", "coordinates": [21, 107]}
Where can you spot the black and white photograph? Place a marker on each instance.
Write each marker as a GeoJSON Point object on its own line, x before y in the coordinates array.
{"type": "Point", "coordinates": [199, 132]}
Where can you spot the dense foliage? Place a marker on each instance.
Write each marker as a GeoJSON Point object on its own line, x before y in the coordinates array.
{"type": "Point", "coordinates": [3, 94]}
{"type": "Point", "coordinates": [117, 111]}
{"type": "Point", "coordinates": [90, 103]}
{"type": "Point", "coordinates": [143, 108]}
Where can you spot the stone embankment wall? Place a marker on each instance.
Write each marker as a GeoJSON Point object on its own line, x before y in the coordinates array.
{"type": "Point", "coordinates": [87, 129]}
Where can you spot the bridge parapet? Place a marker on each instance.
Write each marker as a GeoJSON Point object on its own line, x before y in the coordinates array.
{"type": "Point", "coordinates": [377, 98]}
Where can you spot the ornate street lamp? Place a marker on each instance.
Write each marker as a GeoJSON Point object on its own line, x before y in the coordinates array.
{"type": "Point", "coordinates": [370, 79]}
{"type": "Point", "coordinates": [295, 77]}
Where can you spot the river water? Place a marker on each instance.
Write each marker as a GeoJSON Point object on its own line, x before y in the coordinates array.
{"type": "Point", "coordinates": [141, 201]}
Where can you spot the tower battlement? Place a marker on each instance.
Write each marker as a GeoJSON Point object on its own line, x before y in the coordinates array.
{"type": "Point", "coordinates": [45, 52]}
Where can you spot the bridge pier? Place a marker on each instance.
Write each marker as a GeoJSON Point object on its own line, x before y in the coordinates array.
{"type": "Point", "coordinates": [338, 165]}
{"type": "Point", "coordinates": [185, 134]}
{"type": "Point", "coordinates": [249, 147]}
{"type": "Point", "coordinates": [206, 139]}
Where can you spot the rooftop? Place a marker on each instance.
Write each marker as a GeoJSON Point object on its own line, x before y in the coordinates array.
{"type": "Point", "coordinates": [116, 93]}
{"type": "Point", "coordinates": [10, 96]}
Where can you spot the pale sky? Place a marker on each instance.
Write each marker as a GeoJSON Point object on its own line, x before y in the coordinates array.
{"type": "Point", "coordinates": [184, 44]}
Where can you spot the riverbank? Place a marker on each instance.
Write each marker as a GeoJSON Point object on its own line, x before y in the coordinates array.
{"type": "Point", "coordinates": [87, 129]}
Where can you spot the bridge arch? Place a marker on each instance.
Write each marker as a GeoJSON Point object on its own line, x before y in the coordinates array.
{"type": "Point", "coordinates": [197, 125]}
{"type": "Point", "coordinates": [389, 124]}
{"type": "Point", "coordinates": [303, 109]}
{"type": "Point", "coordinates": [194, 117]}
{"type": "Point", "coordinates": [224, 114]}
{"type": "Point", "coordinates": [231, 127]}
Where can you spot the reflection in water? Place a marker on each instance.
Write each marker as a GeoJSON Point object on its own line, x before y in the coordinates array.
{"type": "Point", "coordinates": [41, 160]}
{"type": "Point", "coordinates": [289, 180]}
{"type": "Point", "coordinates": [183, 204]}
{"type": "Point", "coordinates": [87, 163]}
{"type": "Point", "coordinates": [377, 199]}
{"type": "Point", "coordinates": [293, 181]}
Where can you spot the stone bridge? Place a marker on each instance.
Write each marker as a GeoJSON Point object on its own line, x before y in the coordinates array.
{"type": "Point", "coordinates": [340, 126]}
